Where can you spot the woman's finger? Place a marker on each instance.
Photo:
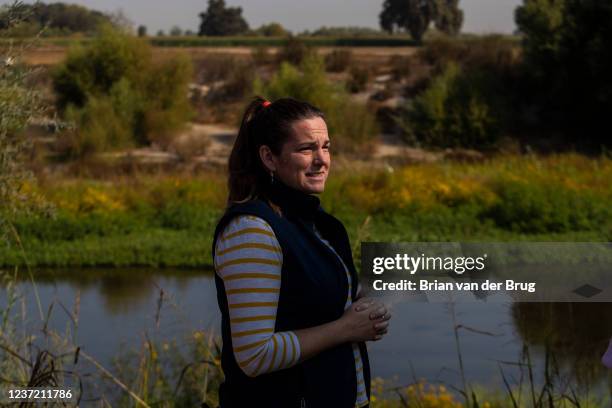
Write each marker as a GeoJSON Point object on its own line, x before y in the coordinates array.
{"type": "Point", "coordinates": [366, 303]}
{"type": "Point", "coordinates": [361, 307]}
{"type": "Point", "coordinates": [379, 312]}
{"type": "Point", "coordinates": [386, 316]}
{"type": "Point", "coordinates": [381, 325]}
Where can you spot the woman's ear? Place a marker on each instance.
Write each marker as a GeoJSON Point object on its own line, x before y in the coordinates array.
{"type": "Point", "coordinates": [267, 158]}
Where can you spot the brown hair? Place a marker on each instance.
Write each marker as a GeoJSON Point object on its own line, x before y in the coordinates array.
{"type": "Point", "coordinates": [263, 124]}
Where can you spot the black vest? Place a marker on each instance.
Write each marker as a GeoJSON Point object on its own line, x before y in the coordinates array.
{"type": "Point", "coordinates": [313, 292]}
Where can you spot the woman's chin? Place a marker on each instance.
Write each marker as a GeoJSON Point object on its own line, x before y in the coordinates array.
{"type": "Point", "coordinates": [314, 187]}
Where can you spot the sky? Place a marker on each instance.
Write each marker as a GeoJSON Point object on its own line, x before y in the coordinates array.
{"type": "Point", "coordinates": [481, 16]}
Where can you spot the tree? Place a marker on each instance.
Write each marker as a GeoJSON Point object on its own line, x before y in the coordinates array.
{"type": "Point", "coordinates": [142, 31]}
{"type": "Point", "coordinates": [219, 20]}
{"type": "Point", "coordinates": [55, 18]}
{"type": "Point", "coordinates": [449, 17]}
{"type": "Point", "coordinates": [568, 51]}
{"type": "Point", "coordinates": [272, 30]}
{"type": "Point", "coordinates": [416, 16]}
{"type": "Point", "coordinates": [541, 23]}
{"type": "Point", "coordinates": [176, 31]}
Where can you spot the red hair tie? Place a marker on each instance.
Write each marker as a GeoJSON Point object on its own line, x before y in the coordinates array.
{"type": "Point", "coordinates": [266, 104]}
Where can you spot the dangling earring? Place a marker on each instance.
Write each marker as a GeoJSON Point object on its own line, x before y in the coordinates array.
{"type": "Point", "coordinates": [271, 177]}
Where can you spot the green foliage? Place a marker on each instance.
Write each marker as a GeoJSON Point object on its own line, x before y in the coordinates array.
{"type": "Point", "coordinates": [220, 20]}
{"type": "Point", "coordinates": [350, 31]}
{"type": "Point", "coordinates": [528, 208]}
{"type": "Point", "coordinates": [567, 55]}
{"type": "Point", "coordinates": [169, 220]}
{"type": "Point", "coordinates": [358, 79]}
{"type": "Point", "coordinates": [338, 60]}
{"type": "Point", "coordinates": [152, 372]}
{"type": "Point", "coordinates": [401, 67]}
{"type": "Point", "coordinates": [117, 97]}
{"type": "Point", "coordinates": [272, 30]}
{"type": "Point", "coordinates": [252, 41]}
{"type": "Point", "coordinates": [293, 51]}
{"type": "Point", "coordinates": [415, 16]}
{"type": "Point", "coordinates": [54, 19]}
{"type": "Point", "coordinates": [541, 22]}
{"type": "Point", "coordinates": [491, 52]}
{"type": "Point", "coordinates": [351, 125]}
{"type": "Point", "coordinates": [94, 69]}
{"type": "Point", "coordinates": [19, 103]}
{"type": "Point", "coordinates": [176, 31]}
{"type": "Point", "coordinates": [452, 112]}
{"type": "Point", "coordinates": [448, 16]}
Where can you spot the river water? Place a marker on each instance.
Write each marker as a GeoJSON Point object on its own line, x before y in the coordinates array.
{"type": "Point", "coordinates": [116, 308]}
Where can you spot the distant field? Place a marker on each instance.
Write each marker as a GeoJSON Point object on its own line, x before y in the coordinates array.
{"type": "Point", "coordinates": [195, 41]}
{"type": "Point", "coordinates": [49, 54]}
{"type": "Point", "coordinates": [50, 51]}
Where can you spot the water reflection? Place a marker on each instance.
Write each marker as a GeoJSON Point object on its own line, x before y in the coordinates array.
{"type": "Point", "coordinates": [121, 290]}
{"type": "Point", "coordinates": [576, 334]}
{"type": "Point", "coordinates": [117, 306]}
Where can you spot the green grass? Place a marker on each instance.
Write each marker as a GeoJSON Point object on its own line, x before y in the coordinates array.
{"type": "Point", "coordinates": [168, 221]}
{"type": "Point", "coordinates": [195, 41]}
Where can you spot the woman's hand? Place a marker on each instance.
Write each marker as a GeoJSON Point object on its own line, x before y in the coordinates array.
{"type": "Point", "coordinates": [366, 320]}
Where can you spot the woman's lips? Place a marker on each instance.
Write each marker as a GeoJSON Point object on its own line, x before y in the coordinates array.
{"type": "Point", "coordinates": [316, 175]}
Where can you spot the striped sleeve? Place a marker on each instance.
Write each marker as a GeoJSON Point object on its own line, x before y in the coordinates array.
{"type": "Point", "coordinates": [248, 259]}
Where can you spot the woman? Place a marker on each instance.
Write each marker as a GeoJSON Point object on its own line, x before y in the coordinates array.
{"type": "Point", "coordinates": [292, 327]}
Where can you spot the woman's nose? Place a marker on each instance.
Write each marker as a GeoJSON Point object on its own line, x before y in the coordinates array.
{"type": "Point", "coordinates": [319, 157]}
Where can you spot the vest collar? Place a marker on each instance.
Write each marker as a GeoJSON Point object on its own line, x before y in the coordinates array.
{"type": "Point", "coordinates": [293, 202]}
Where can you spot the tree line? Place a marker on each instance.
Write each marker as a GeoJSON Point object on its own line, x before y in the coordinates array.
{"type": "Point", "coordinates": [53, 19]}
{"type": "Point", "coordinates": [219, 19]}
{"type": "Point", "coordinates": [413, 16]}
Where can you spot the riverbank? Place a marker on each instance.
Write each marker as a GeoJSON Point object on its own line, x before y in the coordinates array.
{"type": "Point", "coordinates": [167, 220]}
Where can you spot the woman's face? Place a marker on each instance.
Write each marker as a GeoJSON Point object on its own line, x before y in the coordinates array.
{"type": "Point", "coordinates": [304, 161]}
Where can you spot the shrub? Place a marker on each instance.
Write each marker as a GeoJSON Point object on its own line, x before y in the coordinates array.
{"type": "Point", "coordinates": [493, 51]}
{"type": "Point", "coordinates": [452, 112]}
{"type": "Point", "coordinates": [116, 96]}
{"type": "Point", "coordinates": [532, 208]}
{"type": "Point", "coordinates": [351, 125]}
{"type": "Point", "coordinates": [237, 84]}
{"type": "Point", "coordinates": [400, 67]}
{"type": "Point", "coordinates": [20, 102]}
{"type": "Point", "coordinates": [338, 60]}
{"type": "Point", "coordinates": [358, 80]}
{"type": "Point", "coordinates": [167, 107]}
{"type": "Point", "coordinates": [441, 50]}
{"type": "Point", "coordinates": [94, 68]}
{"type": "Point", "coordinates": [293, 51]}
{"type": "Point", "coordinates": [214, 68]}
{"type": "Point", "coordinates": [101, 127]}
{"type": "Point", "coordinates": [272, 30]}
{"type": "Point", "coordinates": [261, 55]}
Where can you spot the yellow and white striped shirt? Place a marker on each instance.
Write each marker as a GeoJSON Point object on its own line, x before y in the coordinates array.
{"type": "Point", "coordinates": [248, 259]}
